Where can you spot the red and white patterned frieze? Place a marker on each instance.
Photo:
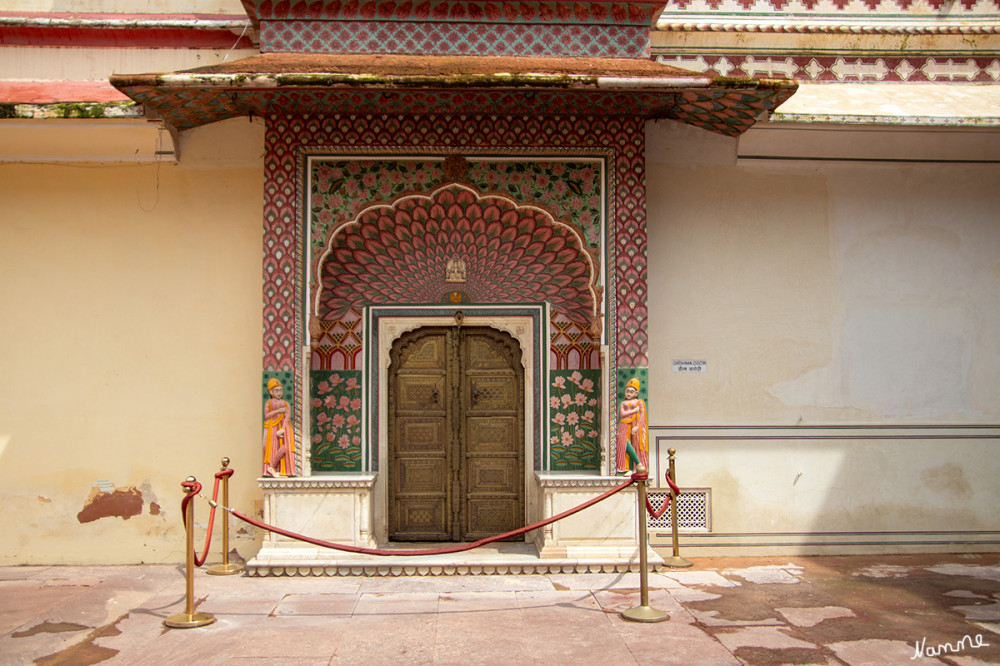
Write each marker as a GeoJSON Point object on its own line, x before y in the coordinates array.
{"type": "Point", "coordinates": [872, 10]}
{"type": "Point", "coordinates": [838, 69]}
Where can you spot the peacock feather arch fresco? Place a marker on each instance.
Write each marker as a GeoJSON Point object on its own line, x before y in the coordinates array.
{"type": "Point", "coordinates": [399, 252]}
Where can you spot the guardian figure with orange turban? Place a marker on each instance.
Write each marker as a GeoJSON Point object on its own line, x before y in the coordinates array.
{"type": "Point", "coordinates": [279, 441]}
{"type": "Point", "coordinates": [633, 431]}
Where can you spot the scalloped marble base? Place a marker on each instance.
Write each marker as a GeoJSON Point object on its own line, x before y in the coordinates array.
{"type": "Point", "coordinates": [505, 559]}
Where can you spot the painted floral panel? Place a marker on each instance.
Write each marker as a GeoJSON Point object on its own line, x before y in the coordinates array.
{"type": "Point", "coordinates": [575, 413]}
{"type": "Point", "coordinates": [335, 420]}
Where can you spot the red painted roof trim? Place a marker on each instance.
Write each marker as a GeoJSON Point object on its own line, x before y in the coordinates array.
{"type": "Point", "coordinates": [180, 38]}
{"type": "Point", "coordinates": [50, 92]}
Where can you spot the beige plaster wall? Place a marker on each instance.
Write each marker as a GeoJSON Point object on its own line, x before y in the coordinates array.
{"type": "Point", "coordinates": [131, 327]}
{"type": "Point", "coordinates": [839, 305]}
{"type": "Point", "coordinates": [820, 292]}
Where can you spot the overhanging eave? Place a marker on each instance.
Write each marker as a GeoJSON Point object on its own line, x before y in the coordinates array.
{"type": "Point", "coordinates": [440, 85]}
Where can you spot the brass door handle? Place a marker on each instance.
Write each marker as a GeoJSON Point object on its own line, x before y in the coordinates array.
{"type": "Point", "coordinates": [434, 394]}
{"type": "Point", "coordinates": [475, 396]}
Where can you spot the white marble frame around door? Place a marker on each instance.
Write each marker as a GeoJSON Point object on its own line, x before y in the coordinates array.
{"type": "Point", "coordinates": [528, 324]}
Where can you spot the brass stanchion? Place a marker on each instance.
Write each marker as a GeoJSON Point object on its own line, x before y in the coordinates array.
{"type": "Point", "coordinates": [225, 568]}
{"type": "Point", "coordinates": [644, 612]}
{"type": "Point", "coordinates": [676, 561]}
{"type": "Point", "coordinates": [189, 619]}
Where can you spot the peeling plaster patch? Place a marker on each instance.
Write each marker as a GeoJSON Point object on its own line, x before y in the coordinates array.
{"type": "Point", "coordinates": [154, 509]}
{"type": "Point", "coordinates": [875, 651]}
{"type": "Point", "coordinates": [810, 617]}
{"type": "Point", "coordinates": [117, 503]}
{"type": "Point", "coordinates": [772, 638]}
{"type": "Point", "coordinates": [971, 570]}
{"type": "Point", "coordinates": [44, 499]}
{"type": "Point", "coordinates": [786, 574]}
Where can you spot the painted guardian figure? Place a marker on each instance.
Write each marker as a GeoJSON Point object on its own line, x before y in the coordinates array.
{"type": "Point", "coordinates": [279, 442]}
{"type": "Point", "coordinates": [633, 431]}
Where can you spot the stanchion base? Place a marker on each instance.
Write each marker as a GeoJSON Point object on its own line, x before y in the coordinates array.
{"type": "Point", "coordinates": [645, 614]}
{"type": "Point", "coordinates": [188, 620]}
{"type": "Point", "coordinates": [677, 562]}
{"type": "Point", "coordinates": [227, 569]}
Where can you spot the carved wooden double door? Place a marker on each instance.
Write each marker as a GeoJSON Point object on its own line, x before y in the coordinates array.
{"type": "Point", "coordinates": [456, 435]}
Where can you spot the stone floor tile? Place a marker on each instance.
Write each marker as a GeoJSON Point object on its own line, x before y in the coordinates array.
{"type": "Point", "coordinates": [676, 642]}
{"type": "Point", "coordinates": [323, 605]}
{"type": "Point", "coordinates": [622, 600]}
{"type": "Point", "coordinates": [874, 652]}
{"type": "Point", "coordinates": [388, 639]}
{"type": "Point", "coordinates": [709, 618]}
{"type": "Point", "coordinates": [686, 595]}
{"type": "Point", "coordinates": [298, 637]}
{"type": "Point", "coordinates": [594, 581]}
{"type": "Point", "coordinates": [772, 638]}
{"type": "Point", "coordinates": [241, 604]}
{"type": "Point", "coordinates": [810, 616]}
{"type": "Point", "coordinates": [487, 628]}
{"type": "Point", "coordinates": [972, 570]}
{"type": "Point", "coordinates": [768, 574]}
{"type": "Point", "coordinates": [981, 612]}
{"type": "Point", "coordinates": [383, 604]}
{"type": "Point", "coordinates": [25, 602]}
{"type": "Point", "coordinates": [24, 573]}
{"type": "Point", "coordinates": [689, 577]}
{"type": "Point", "coordinates": [444, 584]}
{"type": "Point", "coordinates": [279, 661]}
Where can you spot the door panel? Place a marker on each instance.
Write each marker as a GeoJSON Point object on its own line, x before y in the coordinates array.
{"type": "Point", "coordinates": [419, 506]}
{"type": "Point", "coordinates": [493, 449]}
{"type": "Point", "coordinates": [456, 448]}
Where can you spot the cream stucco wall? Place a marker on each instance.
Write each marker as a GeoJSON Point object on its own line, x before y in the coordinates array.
{"type": "Point", "coordinates": [821, 291]}
{"type": "Point", "coordinates": [131, 322]}
{"type": "Point", "coordinates": [848, 312]}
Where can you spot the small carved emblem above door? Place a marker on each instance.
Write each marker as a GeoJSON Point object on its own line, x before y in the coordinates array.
{"type": "Point", "coordinates": [456, 270]}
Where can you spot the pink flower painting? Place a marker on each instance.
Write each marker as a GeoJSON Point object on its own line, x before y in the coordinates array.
{"type": "Point", "coordinates": [573, 446]}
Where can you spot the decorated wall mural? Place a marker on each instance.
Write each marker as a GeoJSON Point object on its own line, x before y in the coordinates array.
{"type": "Point", "coordinates": [572, 191]}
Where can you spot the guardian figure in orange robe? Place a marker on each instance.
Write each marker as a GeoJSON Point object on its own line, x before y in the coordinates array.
{"type": "Point", "coordinates": [633, 431]}
{"type": "Point", "coordinates": [279, 442]}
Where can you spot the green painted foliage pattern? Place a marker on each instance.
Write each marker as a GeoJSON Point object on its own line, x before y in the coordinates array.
{"type": "Point", "coordinates": [335, 420]}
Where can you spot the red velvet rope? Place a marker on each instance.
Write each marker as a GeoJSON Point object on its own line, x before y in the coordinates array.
{"type": "Point", "coordinates": [666, 503]}
{"type": "Point", "coordinates": [196, 488]}
{"type": "Point", "coordinates": [438, 551]}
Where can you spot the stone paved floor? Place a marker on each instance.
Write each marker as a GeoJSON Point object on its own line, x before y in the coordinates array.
{"type": "Point", "coordinates": [790, 610]}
